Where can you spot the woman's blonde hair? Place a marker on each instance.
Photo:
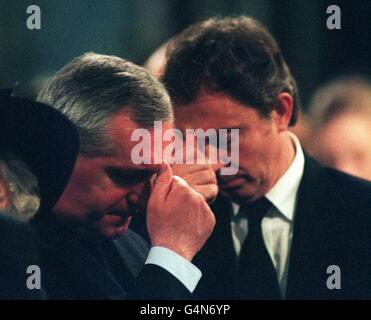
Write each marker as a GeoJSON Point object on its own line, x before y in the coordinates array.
{"type": "Point", "coordinates": [24, 195]}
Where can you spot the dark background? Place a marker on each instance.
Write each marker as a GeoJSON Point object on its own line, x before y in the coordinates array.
{"type": "Point", "coordinates": [133, 29]}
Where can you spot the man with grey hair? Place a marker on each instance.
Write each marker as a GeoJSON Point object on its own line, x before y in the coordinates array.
{"type": "Point", "coordinates": [107, 98]}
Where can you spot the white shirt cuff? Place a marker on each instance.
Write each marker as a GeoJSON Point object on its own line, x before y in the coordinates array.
{"type": "Point", "coordinates": [186, 272]}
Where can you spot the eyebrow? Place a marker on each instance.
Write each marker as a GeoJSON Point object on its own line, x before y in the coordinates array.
{"type": "Point", "coordinates": [129, 170]}
{"type": "Point", "coordinates": [230, 128]}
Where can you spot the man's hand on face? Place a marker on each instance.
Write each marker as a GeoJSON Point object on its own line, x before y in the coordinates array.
{"type": "Point", "coordinates": [178, 217]}
{"type": "Point", "coordinates": [201, 177]}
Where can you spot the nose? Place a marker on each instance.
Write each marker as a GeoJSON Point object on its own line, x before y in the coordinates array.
{"type": "Point", "coordinates": [137, 197]}
{"type": "Point", "coordinates": [133, 198]}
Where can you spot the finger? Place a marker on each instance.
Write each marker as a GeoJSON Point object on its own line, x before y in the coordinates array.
{"type": "Point", "coordinates": [194, 153]}
{"type": "Point", "coordinates": [178, 181]}
{"type": "Point", "coordinates": [217, 166]}
{"type": "Point", "coordinates": [209, 192]}
{"type": "Point", "coordinates": [182, 169]}
{"type": "Point", "coordinates": [163, 181]}
{"type": "Point", "coordinates": [201, 177]}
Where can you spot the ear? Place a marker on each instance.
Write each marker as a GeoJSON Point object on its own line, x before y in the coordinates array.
{"type": "Point", "coordinates": [282, 111]}
{"type": "Point", "coordinates": [4, 195]}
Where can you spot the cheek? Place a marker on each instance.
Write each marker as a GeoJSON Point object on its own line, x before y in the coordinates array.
{"type": "Point", "coordinates": [100, 197]}
{"type": "Point", "coordinates": [363, 160]}
{"type": "Point", "coordinates": [104, 191]}
{"type": "Point", "coordinates": [251, 152]}
{"type": "Point", "coordinates": [256, 158]}
{"type": "Point", "coordinates": [109, 197]}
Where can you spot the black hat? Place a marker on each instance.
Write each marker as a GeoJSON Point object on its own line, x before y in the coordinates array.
{"type": "Point", "coordinates": [44, 139]}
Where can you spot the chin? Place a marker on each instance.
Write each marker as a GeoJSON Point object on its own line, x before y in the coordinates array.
{"type": "Point", "coordinates": [114, 232]}
{"type": "Point", "coordinates": [241, 195]}
{"type": "Point", "coordinates": [112, 226]}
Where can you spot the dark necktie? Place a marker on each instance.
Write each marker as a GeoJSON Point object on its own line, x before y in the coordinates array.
{"type": "Point", "coordinates": [257, 275]}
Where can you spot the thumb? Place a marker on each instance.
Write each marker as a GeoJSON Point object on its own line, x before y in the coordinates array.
{"type": "Point", "coordinates": [217, 166]}
{"type": "Point", "coordinates": [163, 180]}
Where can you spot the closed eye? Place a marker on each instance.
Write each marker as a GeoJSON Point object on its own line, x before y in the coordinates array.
{"type": "Point", "coordinates": [128, 177]}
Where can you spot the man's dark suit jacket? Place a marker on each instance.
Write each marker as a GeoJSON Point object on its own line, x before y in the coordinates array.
{"type": "Point", "coordinates": [18, 251]}
{"type": "Point", "coordinates": [332, 226]}
{"type": "Point", "coordinates": [81, 267]}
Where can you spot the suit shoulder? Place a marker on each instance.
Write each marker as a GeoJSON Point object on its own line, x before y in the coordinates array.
{"type": "Point", "coordinates": [353, 184]}
{"type": "Point", "coordinates": [15, 232]}
{"type": "Point", "coordinates": [353, 190]}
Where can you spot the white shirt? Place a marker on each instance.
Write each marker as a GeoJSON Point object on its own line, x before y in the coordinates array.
{"type": "Point", "coordinates": [277, 224]}
{"type": "Point", "coordinates": [186, 272]}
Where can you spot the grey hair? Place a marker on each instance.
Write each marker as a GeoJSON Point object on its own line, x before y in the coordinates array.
{"type": "Point", "coordinates": [92, 88]}
{"type": "Point", "coordinates": [24, 194]}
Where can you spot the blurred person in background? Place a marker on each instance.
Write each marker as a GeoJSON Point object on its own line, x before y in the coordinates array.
{"type": "Point", "coordinates": [340, 118]}
{"type": "Point", "coordinates": [156, 62]}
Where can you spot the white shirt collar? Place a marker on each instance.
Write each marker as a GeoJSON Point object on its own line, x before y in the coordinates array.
{"type": "Point", "coordinates": [283, 193]}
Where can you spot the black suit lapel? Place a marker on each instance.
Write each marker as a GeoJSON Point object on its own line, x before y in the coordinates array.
{"type": "Point", "coordinates": [329, 230]}
{"type": "Point", "coordinates": [308, 256]}
{"type": "Point", "coordinates": [217, 260]}
{"type": "Point", "coordinates": [73, 267]}
{"type": "Point", "coordinates": [96, 275]}
{"type": "Point", "coordinates": [134, 251]}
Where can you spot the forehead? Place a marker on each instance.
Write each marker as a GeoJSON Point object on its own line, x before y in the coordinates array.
{"type": "Point", "coordinates": [120, 130]}
{"type": "Point", "coordinates": [215, 111]}
{"type": "Point", "coordinates": [351, 129]}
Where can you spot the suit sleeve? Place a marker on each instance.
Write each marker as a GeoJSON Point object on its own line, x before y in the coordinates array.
{"type": "Point", "coordinates": [156, 283]}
